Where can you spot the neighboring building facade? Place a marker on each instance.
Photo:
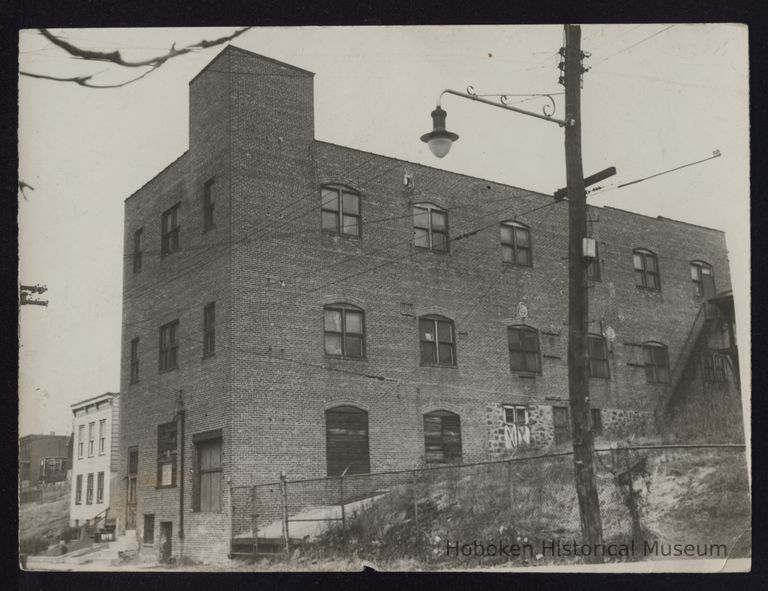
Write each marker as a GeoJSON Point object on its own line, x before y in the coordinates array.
{"type": "Point", "coordinates": [294, 305]}
{"type": "Point", "coordinates": [43, 459]}
{"type": "Point", "coordinates": [96, 427]}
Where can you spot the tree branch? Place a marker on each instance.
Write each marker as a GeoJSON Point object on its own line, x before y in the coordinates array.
{"type": "Point", "coordinates": [116, 58]}
{"type": "Point", "coordinates": [85, 80]}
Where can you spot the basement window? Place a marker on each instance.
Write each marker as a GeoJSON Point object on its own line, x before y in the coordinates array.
{"type": "Point", "coordinates": [149, 529]}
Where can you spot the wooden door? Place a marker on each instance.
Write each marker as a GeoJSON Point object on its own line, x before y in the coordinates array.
{"type": "Point", "coordinates": [132, 492]}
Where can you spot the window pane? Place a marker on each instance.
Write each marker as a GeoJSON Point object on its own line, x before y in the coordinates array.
{"type": "Point", "coordinates": [439, 241]}
{"type": "Point", "coordinates": [444, 332]}
{"type": "Point", "coordinates": [523, 257]}
{"type": "Point", "coordinates": [695, 273]}
{"type": "Point", "coordinates": [354, 346]}
{"type": "Point", "coordinates": [420, 218]}
{"type": "Point", "coordinates": [640, 278]}
{"type": "Point", "coordinates": [662, 375]}
{"type": "Point", "coordinates": [354, 322]}
{"type": "Point", "coordinates": [652, 281]}
{"type": "Point", "coordinates": [421, 238]}
{"type": "Point", "coordinates": [350, 225]}
{"type": "Point", "coordinates": [516, 360]}
{"type": "Point", "coordinates": [532, 361]}
{"type": "Point", "coordinates": [506, 234]}
{"type": "Point", "coordinates": [706, 271]}
{"type": "Point", "coordinates": [438, 220]}
{"type": "Point", "coordinates": [330, 221]}
{"type": "Point", "coordinates": [333, 344]}
{"type": "Point", "coordinates": [330, 199]}
{"type": "Point", "coordinates": [351, 203]}
{"type": "Point", "coordinates": [428, 353]}
{"type": "Point", "coordinates": [333, 320]}
{"type": "Point", "coordinates": [530, 340]}
{"type": "Point", "coordinates": [650, 262]}
{"type": "Point", "coordinates": [446, 354]}
{"type": "Point", "coordinates": [507, 254]}
{"type": "Point", "coordinates": [523, 237]}
{"type": "Point", "coordinates": [638, 260]}
{"type": "Point", "coordinates": [427, 330]}
{"type": "Point", "coordinates": [514, 337]}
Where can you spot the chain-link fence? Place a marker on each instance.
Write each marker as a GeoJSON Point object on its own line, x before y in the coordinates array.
{"type": "Point", "coordinates": [662, 494]}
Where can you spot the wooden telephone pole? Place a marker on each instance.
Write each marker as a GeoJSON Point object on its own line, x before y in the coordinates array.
{"type": "Point", "coordinates": [578, 303]}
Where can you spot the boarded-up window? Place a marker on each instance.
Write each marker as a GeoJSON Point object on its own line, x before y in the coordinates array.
{"type": "Point", "coordinates": [562, 424]}
{"type": "Point", "coordinates": [207, 492]}
{"type": "Point", "coordinates": [442, 437]}
{"type": "Point", "coordinates": [346, 437]}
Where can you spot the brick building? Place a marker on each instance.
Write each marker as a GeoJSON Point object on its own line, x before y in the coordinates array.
{"type": "Point", "coordinates": [43, 459]}
{"type": "Point", "coordinates": [294, 305]}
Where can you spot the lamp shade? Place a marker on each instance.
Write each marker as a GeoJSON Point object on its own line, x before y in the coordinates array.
{"type": "Point", "coordinates": [439, 139]}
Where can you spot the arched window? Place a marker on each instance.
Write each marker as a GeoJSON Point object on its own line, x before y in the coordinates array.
{"type": "Point", "coordinates": [516, 244]}
{"type": "Point", "coordinates": [656, 363]}
{"type": "Point", "coordinates": [703, 279]}
{"type": "Point", "coordinates": [340, 210]}
{"type": "Point", "coordinates": [344, 327]}
{"type": "Point", "coordinates": [524, 349]}
{"type": "Point", "coordinates": [437, 341]}
{"type": "Point", "coordinates": [646, 269]}
{"type": "Point", "coordinates": [597, 356]}
{"type": "Point", "coordinates": [346, 439]}
{"type": "Point", "coordinates": [442, 437]}
{"type": "Point", "coordinates": [430, 227]}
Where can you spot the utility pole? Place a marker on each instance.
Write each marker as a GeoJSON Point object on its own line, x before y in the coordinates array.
{"type": "Point", "coordinates": [578, 304]}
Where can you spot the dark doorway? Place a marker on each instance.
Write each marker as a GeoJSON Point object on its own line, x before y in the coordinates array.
{"type": "Point", "coordinates": [131, 497]}
{"type": "Point", "coordinates": [166, 541]}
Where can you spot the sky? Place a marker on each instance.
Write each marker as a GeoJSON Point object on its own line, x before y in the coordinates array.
{"type": "Point", "coordinates": [656, 96]}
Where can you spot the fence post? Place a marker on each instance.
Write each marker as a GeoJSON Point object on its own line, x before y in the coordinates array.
{"type": "Point", "coordinates": [284, 503]}
{"type": "Point", "coordinates": [341, 492]}
{"type": "Point", "coordinates": [254, 522]}
{"type": "Point", "coordinates": [511, 489]}
{"type": "Point", "coordinates": [632, 497]}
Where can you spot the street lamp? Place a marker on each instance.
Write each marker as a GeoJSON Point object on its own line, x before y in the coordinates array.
{"type": "Point", "coordinates": [580, 248]}
{"type": "Point", "coordinates": [440, 139]}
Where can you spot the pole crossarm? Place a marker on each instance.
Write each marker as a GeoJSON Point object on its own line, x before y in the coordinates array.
{"type": "Point", "coordinates": [502, 105]}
